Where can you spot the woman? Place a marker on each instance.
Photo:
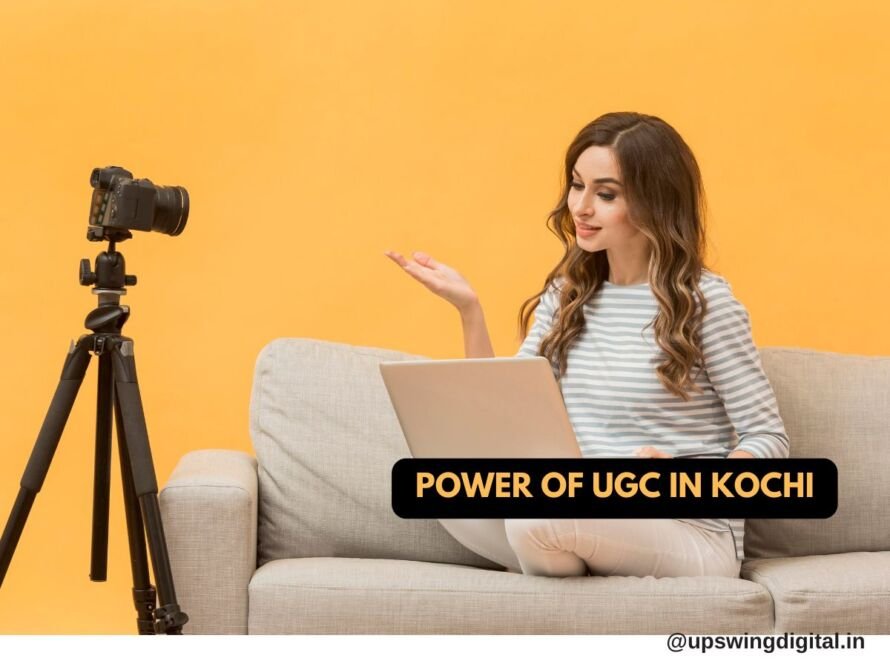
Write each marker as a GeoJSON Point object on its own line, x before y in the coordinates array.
{"type": "Point", "coordinates": [652, 351]}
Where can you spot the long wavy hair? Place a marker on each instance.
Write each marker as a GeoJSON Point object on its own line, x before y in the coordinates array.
{"type": "Point", "coordinates": [666, 202]}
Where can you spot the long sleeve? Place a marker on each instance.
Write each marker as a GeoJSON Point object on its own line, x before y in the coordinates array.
{"type": "Point", "coordinates": [733, 366]}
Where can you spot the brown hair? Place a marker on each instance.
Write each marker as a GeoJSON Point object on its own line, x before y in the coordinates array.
{"type": "Point", "coordinates": [666, 202]}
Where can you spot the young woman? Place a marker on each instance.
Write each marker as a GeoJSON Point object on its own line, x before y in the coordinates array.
{"type": "Point", "coordinates": [652, 351]}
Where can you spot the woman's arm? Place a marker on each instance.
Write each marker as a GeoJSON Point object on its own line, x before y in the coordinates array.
{"type": "Point", "coordinates": [477, 343]}
{"type": "Point", "coordinates": [733, 366]}
{"type": "Point", "coordinates": [447, 283]}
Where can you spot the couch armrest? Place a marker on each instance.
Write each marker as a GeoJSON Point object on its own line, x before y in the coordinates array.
{"type": "Point", "coordinates": [209, 513]}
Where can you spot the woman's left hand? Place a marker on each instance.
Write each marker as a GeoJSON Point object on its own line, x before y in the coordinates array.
{"type": "Point", "coordinates": [651, 453]}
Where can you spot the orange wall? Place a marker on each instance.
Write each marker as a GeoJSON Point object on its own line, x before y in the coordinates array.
{"type": "Point", "coordinates": [313, 136]}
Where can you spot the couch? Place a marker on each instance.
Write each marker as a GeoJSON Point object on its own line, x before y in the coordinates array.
{"type": "Point", "coordinates": [301, 537]}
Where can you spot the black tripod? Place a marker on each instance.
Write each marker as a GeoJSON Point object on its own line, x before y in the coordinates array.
{"type": "Point", "coordinates": [117, 386]}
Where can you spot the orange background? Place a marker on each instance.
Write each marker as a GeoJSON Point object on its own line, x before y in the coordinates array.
{"type": "Point", "coordinates": [314, 136]}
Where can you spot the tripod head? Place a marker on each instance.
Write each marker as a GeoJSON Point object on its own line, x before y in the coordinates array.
{"type": "Point", "coordinates": [109, 279]}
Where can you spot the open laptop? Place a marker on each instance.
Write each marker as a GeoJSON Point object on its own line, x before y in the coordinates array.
{"type": "Point", "coordinates": [477, 408]}
{"type": "Point", "coordinates": [481, 408]}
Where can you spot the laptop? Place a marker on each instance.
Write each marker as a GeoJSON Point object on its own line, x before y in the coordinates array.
{"type": "Point", "coordinates": [480, 408]}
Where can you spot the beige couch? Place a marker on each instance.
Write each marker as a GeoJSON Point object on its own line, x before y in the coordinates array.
{"type": "Point", "coordinates": [302, 538]}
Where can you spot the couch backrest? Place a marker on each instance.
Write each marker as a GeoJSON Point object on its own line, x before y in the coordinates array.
{"type": "Point", "coordinates": [834, 406]}
{"type": "Point", "coordinates": [326, 437]}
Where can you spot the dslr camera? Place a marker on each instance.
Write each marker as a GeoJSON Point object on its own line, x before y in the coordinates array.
{"type": "Point", "coordinates": [121, 204]}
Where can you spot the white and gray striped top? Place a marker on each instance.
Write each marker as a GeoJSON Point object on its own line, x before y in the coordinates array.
{"type": "Point", "coordinates": [616, 403]}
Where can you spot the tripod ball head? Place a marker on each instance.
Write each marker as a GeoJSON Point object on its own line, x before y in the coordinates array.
{"type": "Point", "coordinates": [109, 274]}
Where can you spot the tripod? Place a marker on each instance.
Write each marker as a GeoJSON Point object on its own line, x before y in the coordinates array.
{"type": "Point", "coordinates": [117, 388]}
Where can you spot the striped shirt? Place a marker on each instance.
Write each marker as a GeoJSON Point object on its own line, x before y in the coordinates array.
{"type": "Point", "coordinates": [616, 403]}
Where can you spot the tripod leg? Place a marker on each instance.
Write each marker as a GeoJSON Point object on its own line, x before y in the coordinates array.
{"type": "Point", "coordinates": [47, 441]}
{"type": "Point", "coordinates": [102, 471]}
{"type": "Point", "coordinates": [168, 618]}
{"type": "Point", "coordinates": [143, 592]}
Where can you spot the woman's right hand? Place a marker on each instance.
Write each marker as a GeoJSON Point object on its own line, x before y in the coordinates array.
{"type": "Point", "coordinates": [441, 279]}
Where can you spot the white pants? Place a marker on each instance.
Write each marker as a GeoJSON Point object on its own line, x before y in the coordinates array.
{"type": "Point", "coordinates": [601, 547]}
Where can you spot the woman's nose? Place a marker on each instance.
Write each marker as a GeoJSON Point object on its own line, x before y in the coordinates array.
{"type": "Point", "coordinates": [582, 206]}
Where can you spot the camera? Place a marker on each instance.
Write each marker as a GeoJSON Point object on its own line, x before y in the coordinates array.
{"type": "Point", "coordinates": [121, 204]}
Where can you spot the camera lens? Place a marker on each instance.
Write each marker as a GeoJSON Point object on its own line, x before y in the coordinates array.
{"type": "Point", "coordinates": [171, 210]}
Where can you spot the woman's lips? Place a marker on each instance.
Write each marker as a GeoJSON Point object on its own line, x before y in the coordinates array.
{"type": "Point", "coordinates": [586, 231]}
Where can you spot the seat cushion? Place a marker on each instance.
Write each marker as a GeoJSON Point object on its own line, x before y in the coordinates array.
{"type": "Point", "coordinates": [326, 437]}
{"type": "Point", "coordinates": [375, 596]}
{"type": "Point", "coordinates": [844, 592]}
{"type": "Point", "coordinates": [834, 406]}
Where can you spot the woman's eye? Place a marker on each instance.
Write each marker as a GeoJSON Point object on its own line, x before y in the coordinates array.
{"type": "Point", "coordinates": [603, 195]}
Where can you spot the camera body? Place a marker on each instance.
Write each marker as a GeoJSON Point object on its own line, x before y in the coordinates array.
{"type": "Point", "coordinates": [121, 204]}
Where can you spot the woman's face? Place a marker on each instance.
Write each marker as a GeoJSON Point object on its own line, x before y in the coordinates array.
{"type": "Point", "coordinates": [596, 198]}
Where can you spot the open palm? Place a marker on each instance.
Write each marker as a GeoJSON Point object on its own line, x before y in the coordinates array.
{"type": "Point", "coordinates": [444, 281]}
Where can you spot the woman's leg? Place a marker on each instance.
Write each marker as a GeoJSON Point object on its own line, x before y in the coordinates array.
{"type": "Point", "coordinates": [620, 547]}
{"type": "Point", "coordinates": [485, 537]}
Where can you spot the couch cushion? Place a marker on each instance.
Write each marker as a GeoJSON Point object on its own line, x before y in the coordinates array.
{"type": "Point", "coordinates": [326, 437]}
{"type": "Point", "coordinates": [837, 407]}
{"type": "Point", "coordinates": [844, 592]}
{"type": "Point", "coordinates": [362, 596]}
